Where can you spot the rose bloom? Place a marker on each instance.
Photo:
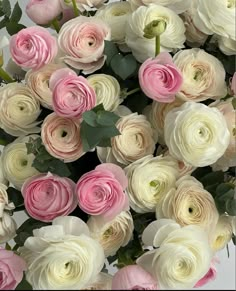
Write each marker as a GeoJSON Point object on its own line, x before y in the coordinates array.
{"type": "Point", "coordinates": [38, 82]}
{"type": "Point", "coordinates": [18, 110]}
{"type": "Point", "coordinates": [61, 137]}
{"type": "Point", "coordinates": [149, 179]}
{"type": "Point", "coordinates": [43, 11]}
{"type": "Point", "coordinates": [71, 94]}
{"type": "Point", "coordinates": [196, 134]}
{"type": "Point", "coordinates": [160, 79]}
{"type": "Point", "coordinates": [33, 47]}
{"type": "Point", "coordinates": [17, 163]}
{"type": "Point", "coordinates": [12, 269]}
{"type": "Point", "coordinates": [227, 45]}
{"type": "Point", "coordinates": [203, 75]}
{"type": "Point", "coordinates": [82, 39]}
{"type": "Point", "coordinates": [107, 90]}
{"type": "Point", "coordinates": [133, 277]}
{"type": "Point", "coordinates": [183, 255]}
{"type": "Point", "coordinates": [112, 234]}
{"type": "Point", "coordinates": [101, 191]}
{"type": "Point", "coordinates": [69, 259]}
{"type": "Point", "coordinates": [115, 15]}
{"type": "Point", "coordinates": [102, 282]}
{"type": "Point", "coordinates": [48, 196]}
{"type": "Point", "coordinates": [210, 23]}
{"type": "Point", "coordinates": [172, 38]}
{"type": "Point", "coordinates": [189, 204]}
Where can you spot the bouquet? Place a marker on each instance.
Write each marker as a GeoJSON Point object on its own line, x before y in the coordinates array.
{"type": "Point", "coordinates": [117, 122]}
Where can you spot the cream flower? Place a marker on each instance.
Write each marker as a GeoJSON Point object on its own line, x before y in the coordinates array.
{"type": "Point", "coordinates": [188, 204]}
{"type": "Point", "coordinates": [62, 256]}
{"type": "Point", "coordinates": [172, 38]}
{"type": "Point", "coordinates": [196, 134]}
{"type": "Point", "coordinates": [227, 45]}
{"type": "Point", "coordinates": [38, 82]}
{"type": "Point", "coordinates": [115, 15]}
{"type": "Point", "coordinates": [183, 256]}
{"type": "Point", "coordinates": [4, 202]}
{"type": "Point", "coordinates": [103, 282]}
{"type": "Point", "coordinates": [8, 227]}
{"type": "Point", "coordinates": [203, 75]}
{"type": "Point", "coordinates": [149, 179]}
{"type": "Point", "coordinates": [3, 179]}
{"type": "Point", "coordinates": [113, 234]}
{"type": "Point", "coordinates": [223, 233]}
{"type": "Point", "coordinates": [107, 90]}
{"type": "Point", "coordinates": [216, 17]}
{"type": "Point", "coordinates": [17, 163]}
{"type": "Point", "coordinates": [18, 110]}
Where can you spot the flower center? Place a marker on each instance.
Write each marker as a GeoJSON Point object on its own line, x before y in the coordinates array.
{"type": "Point", "coordinates": [63, 133]}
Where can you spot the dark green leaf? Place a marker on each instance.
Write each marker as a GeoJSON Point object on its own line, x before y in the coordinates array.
{"type": "Point", "coordinates": [59, 168]}
{"type": "Point", "coordinates": [3, 22]}
{"type": "Point", "coordinates": [24, 285]}
{"type": "Point", "coordinates": [13, 27]}
{"type": "Point", "coordinates": [7, 247]}
{"type": "Point", "coordinates": [110, 50]}
{"type": "Point", "coordinates": [107, 118]}
{"type": "Point", "coordinates": [231, 206]}
{"type": "Point", "coordinates": [213, 178]}
{"type": "Point", "coordinates": [99, 107]}
{"type": "Point", "coordinates": [137, 102]}
{"type": "Point", "coordinates": [16, 13]}
{"type": "Point", "coordinates": [5, 137]}
{"type": "Point", "coordinates": [234, 239]}
{"type": "Point", "coordinates": [123, 66]}
{"type": "Point", "coordinates": [33, 145]}
{"type": "Point", "coordinates": [41, 166]}
{"type": "Point", "coordinates": [90, 118]}
{"type": "Point", "coordinates": [6, 7]}
{"type": "Point", "coordinates": [234, 103]}
{"type": "Point", "coordinates": [105, 143]}
{"type": "Point", "coordinates": [15, 196]}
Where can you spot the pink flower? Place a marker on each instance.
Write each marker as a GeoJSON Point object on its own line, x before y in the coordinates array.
{"type": "Point", "coordinates": [210, 275]}
{"type": "Point", "coordinates": [33, 47]}
{"type": "Point", "coordinates": [101, 191]}
{"type": "Point", "coordinates": [160, 79]}
{"type": "Point", "coordinates": [48, 196]}
{"type": "Point", "coordinates": [233, 85]}
{"type": "Point", "coordinates": [82, 39]}
{"type": "Point", "coordinates": [133, 277]}
{"type": "Point", "coordinates": [11, 269]}
{"type": "Point", "coordinates": [72, 94]}
{"type": "Point", "coordinates": [43, 11]}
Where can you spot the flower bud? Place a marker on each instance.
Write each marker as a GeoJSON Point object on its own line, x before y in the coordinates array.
{"type": "Point", "coordinates": [154, 28]}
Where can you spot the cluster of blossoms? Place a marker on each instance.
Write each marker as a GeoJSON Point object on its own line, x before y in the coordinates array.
{"type": "Point", "coordinates": [138, 198]}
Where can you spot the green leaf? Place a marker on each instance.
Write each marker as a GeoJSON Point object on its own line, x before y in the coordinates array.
{"type": "Point", "coordinates": [15, 196]}
{"type": "Point", "coordinates": [3, 22]}
{"type": "Point", "coordinates": [13, 27]}
{"type": "Point", "coordinates": [110, 50]}
{"type": "Point", "coordinates": [5, 138]}
{"type": "Point", "coordinates": [107, 118]}
{"type": "Point", "coordinates": [137, 102]}
{"type": "Point", "coordinates": [59, 168]}
{"type": "Point", "coordinates": [104, 143]}
{"type": "Point", "coordinates": [90, 118]}
{"type": "Point", "coordinates": [97, 108]}
{"type": "Point", "coordinates": [24, 285]}
{"type": "Point", "coordinates": [124, 66]}
{"type": "Point", "coordinates": [234, 103]}
{"type": "Point", "coordinates": [41, 166]}
{"type": "Point", "coordinates": [7, 247]}
{"type": "Point", "coordinates": [231, 206]}
{"type": "Point", "coordinates": [213, 178]}
{"type": "Point", "coordinates": [234, 239]}
{"type": "Point", "coordinates": [16, 13]}
{"type": "Point", "coordinates": [6, 7]}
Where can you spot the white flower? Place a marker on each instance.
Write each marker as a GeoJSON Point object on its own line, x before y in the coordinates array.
{"type": "Point", "coordinates": [8, 227]}
{"type": "Point", "coordinates": [17, 163]}
{"type": "Point", "coordinates": [203, 75]}
{"type": "Point", "coordinates": [227, 45]}
{"type": "Point", "coordinates": [113, 234]}
{"type": "Point", "coordinates": [172, 38]}
{"type": "Point", "coordinates": [196, 134]}
{"type": "Point", "coordinates": [183, 256]}
{"type": "Point", "coordinates": [62, 256]}
{"type": "Point", "coordinates": [102, 282]}
{"type": "Point", "coordinates": [4, 202]}
{"type": "Point", "coordinates": [18, 110]}
{"type": "Point", "coordinates": [3, 43]}
{"type": "Point", "coordinates": [115, 15]}
{"type": "Point", "coordinates": [3, 179]}
{"type": "Point", "coordinates": [149, 179]}
{"type": "Point", "coordinates": [216, 16]}
{"type": "Point", "coordinates": [107, 90]}
{"type": "Point", "coordinates": [82, 4]}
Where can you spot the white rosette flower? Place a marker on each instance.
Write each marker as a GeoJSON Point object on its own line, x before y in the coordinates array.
{"type": "Point", "coordinates": [113, 234]}
{"type": "Point", "coordinates": [18, 110]}
{"type": "Point", "coordinates": [62, 256]}
{"type": "Point", "coordinates": [183, 256]}
{"type": "Point", "coordinates": [107, 90]}
{"type": "Point", "coordinates": [227, 45]}
{"type": "Point", "coordinates": [189, 204]}
{"type": "Point", "coordinates": [149, 179]}
{"type": "Point", "coordinates": [203, 75]}
{"type": "Point", "coordinates": [17, 163]}
{"type": "Point", "coordinates": [196, 134]}
{"type": "Point", "coordinates": [216, 16]}
{"type": "Point", "coordinates": [172, 38]}
{"type": "Point", "coordinates": [115, 15]}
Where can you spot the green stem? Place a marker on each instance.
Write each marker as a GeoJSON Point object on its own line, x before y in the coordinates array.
{"type": "Point", "coordinates": [56, 25]}
{"type": "Point", "coordinates": [132, 91]}
{"type": "Point", "coordinates": [4, 75]}
{"type": "Point", "coordinates": [76, 10]}
{"type": "Point", "coordinates": [158, 45]}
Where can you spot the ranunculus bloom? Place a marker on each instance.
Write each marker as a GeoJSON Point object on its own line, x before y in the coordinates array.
{"type": "Point", "coordinates": [210, 275]}
{"type": "Point", "coordinates": [72, 94]}
{"type": "Point", "coordinates": [8, 227]}
{"type": "Point", "coordinates": [227, 45]}
{"type": "Point", "coordinates": [33, 47]}
{"type": "Point", "coordinates": [82, 39]}
{"type": "Point", "coordinates": [12, 269]}
{"type": "Point", "coordinates": [101, 191]}
{"type": "Point", "coordinates": [43, 11]}
{"type": "Point", "coordinates": [133, 277]}
{"type": "Point", "coordinates": [48, 196]}
{"type": "Point", "coordinates": [61, 137]}
{"type": "Point", "coordinates": [160, 79]}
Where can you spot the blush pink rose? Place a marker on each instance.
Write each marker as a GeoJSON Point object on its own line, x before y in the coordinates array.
{"type": "Point", "coordinates": [210, 275]}
{"type": "Point", "coordinates": [12, 269]}
{"type": "Point", "coordinates": [71, 94]}
{"type": "Point", "coordinates": [160, 79]}
{"type": "Point", "coordinates": [101, 191]}
{"type": "Point", "coordinates": [48, 196]}
{"type": "Point", "coordinates": [82, 39]}
{"type": "Point", "coordinates": [43, 11]}
{"type": "Point", "coordinates": [33, 47]}
{"type": "Point", "coordinates": [133, 277]}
